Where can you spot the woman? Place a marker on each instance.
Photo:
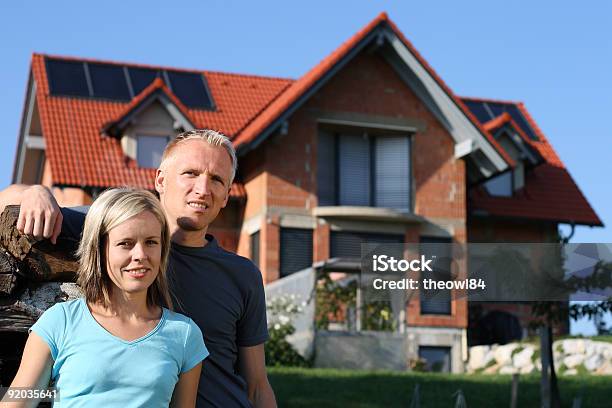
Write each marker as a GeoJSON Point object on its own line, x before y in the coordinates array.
{"type": "Point", "coordinates": [118, 346]}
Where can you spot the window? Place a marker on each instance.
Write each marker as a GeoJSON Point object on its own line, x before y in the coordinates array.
{"type": "Point", "coordinates": [255, 248]}
{"type": "Point", "coordinates": [437, 359]}
{"type": "Point", "coordinates": [500, 186]}
{"type": "Point", "coordinates": [149, 150]}
{"type": "Point", "coordinates": [347, 244]}
{"type": "Point", "coordinates": [364, 170]}
{"type": "Point", "coordinates": [295, 250]}
{"type": "Point", "coordinates": [436, 302]}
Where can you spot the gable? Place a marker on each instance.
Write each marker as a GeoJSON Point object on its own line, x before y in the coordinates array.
{"type": "Point", "coordinates": [381, 36]}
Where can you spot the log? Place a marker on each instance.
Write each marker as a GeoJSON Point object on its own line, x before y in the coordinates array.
{"type": "Point", "coordinates": [39, 260]}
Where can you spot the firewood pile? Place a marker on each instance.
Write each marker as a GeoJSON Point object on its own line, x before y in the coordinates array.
{"type": "Point", "coordinates": [34, 275]}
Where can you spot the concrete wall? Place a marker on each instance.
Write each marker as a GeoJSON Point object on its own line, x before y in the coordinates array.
{"type": "Point", "coordinates": [301, 284]}
{"type": "Point", "coordinates": [363, 350]}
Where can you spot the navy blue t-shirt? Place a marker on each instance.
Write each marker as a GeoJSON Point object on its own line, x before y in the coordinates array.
{"type": "Point", "coordinates": [223, 294]}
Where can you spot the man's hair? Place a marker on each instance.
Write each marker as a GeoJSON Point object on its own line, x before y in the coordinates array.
{"type": "Point", "coordinates": [112, 208]}
{"type": "Point", "coordinates": [209, 136]}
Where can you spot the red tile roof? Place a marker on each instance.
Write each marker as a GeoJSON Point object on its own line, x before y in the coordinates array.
{"type": "Point", "coordinates": [550, 192]}
{"type": "Point", "coordinates": [505, 119]}
{"type": "Point", "coordinates": [157, 85]}
{"type": "Point", "coordinates": [80, 156]}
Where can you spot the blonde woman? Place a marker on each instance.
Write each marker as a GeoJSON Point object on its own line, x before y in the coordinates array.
{"type": "Point", "coordinates": [118, 346]}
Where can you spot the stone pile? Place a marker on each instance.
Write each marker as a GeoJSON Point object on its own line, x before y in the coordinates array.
{"type": "Point", "coordinates": [572, 356]}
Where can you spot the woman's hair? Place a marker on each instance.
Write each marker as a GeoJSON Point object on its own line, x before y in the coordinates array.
{"type": "Point", "coordinates": [110, 209]}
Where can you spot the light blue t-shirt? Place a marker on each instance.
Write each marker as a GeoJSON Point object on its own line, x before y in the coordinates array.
{"type": "Point", "coordinates": [93, 368]}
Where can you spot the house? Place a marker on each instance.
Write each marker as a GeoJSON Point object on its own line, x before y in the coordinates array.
{"type": "Point", "coordinates": [369, 145]}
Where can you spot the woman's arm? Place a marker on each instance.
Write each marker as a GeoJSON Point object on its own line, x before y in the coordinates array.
{"type": "Point", "coordinates": [186, 389]}
{"type": "Point", "coordinates": [34, 370]}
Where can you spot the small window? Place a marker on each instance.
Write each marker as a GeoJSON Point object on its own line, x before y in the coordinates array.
{"type": "Point", "coordinates": [149, 150]}
{"type": "Point", "coordinates": [437, 359]}
{"type": "Point", "coordinates": [255, 248]}
{"type": "Point", "coordinates": [500, 186]}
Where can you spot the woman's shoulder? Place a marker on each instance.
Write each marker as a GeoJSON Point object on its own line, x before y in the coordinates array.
{"type": "Point", "coordinates": [178, 321]}
{"type": "Point", "coordinates": [64, 309]}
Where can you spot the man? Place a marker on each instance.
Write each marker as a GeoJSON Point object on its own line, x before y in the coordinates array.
{"type": "Point", "coordinates": [221, 291]}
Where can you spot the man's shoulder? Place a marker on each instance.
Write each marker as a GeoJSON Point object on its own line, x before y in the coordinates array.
{"type": "Point", "coordinates": [239, 263]}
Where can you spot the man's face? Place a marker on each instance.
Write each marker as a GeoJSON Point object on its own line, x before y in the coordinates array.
{"type": "Point", "coordinates": [193, 184]}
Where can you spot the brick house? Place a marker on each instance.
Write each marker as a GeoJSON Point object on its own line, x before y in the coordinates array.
{"type": "Point", "coordinates": [369, 145]}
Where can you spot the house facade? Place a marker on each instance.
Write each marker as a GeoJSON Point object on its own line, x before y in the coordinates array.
{"type": "Point", "coordinates": [369, 146]}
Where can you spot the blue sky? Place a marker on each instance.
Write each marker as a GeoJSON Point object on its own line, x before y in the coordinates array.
{"type": "Point", "coordinates": [554, 56]}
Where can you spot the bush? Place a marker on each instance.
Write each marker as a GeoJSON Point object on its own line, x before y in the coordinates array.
{"type": "Point", "coordinates": [279, 352]}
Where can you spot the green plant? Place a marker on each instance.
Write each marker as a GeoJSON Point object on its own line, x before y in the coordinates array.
{"type": "Point", "coordinates": [279, 352]}
{"type": "Point", "coordinates": [333, 301]}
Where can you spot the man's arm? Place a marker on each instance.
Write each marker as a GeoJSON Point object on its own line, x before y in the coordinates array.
{"type": "Point", "coordinates": [252, 366]}
{"type": "Point", "coordinates": [40, 215]}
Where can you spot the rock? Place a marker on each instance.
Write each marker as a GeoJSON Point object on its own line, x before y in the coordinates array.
{"type": "Point", "coordinates": [528, 369]}
{"type": "Point", "coordinates": [503, 354]}
{"type": "Point", "coordinates": [508, 370]}
{"type": "Point", "coordinates": [574, 346]}
{"type": "Point", "coordinates": [523, 358]}
{"type": "Point", "coordinates": [571, 371]}
{"type": "Point", "coordinates": [573, 360]}
{"type": "Point", "coordinates": [479, 357]}
{"type": "Point", "coordinates": [605, 369]}
{"type": "Point", "coordinates": [492, 370]}
{"type": "Point", "coordinates": [593, 362]}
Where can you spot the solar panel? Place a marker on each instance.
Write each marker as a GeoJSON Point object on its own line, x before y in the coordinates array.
{"type": "Point", "coordinates": [499, 108]}
{"type": "Point", "coordinates": [141, 78]}
{"type": "Point", "coordinates": [479, 110]}
{"type": "Point", "coordinates": [520, 120]}
{"type": "Point", "coordinates": [108, 81]}
{"type": "Point", "coordinates": [190, 89]}
{"type": "Point", "coordinates": [67, 78]}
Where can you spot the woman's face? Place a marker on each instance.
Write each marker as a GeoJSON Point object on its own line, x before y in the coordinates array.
{"type": "Point", "coordinates": [133, 253]}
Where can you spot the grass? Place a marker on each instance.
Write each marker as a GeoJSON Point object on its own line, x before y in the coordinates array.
{"type": "Point", "coordinates": [303, 387]}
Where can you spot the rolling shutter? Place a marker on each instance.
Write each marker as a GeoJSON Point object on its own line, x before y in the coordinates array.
{"type": "Point", "coordinates": [326, 169]}
{"type": "Point", "coordinates": [437, 301]}
{"type": "Point", "coordinates": [354, 169]}
{"type": "Point", "coordinates": [392, 172]}
{"type": "Point", "coordinates": [295, 250]}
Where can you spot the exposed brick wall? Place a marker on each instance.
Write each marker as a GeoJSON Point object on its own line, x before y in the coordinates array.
{"type": "Point", "coordinates": [284, 167]}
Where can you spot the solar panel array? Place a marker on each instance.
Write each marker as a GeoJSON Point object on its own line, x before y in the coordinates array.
{"type": "Point", "coordinates": [487, 110]}
{"type": "Point", "coordinates": [122, 83]}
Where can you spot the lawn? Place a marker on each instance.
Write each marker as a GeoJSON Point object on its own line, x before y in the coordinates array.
{"type": "Point", "coordinates": [299, 387]}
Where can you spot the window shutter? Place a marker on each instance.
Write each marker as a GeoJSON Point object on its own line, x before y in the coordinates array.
{"type": "Point", "coordinates": [326, 169]}
{"type": "Point", "coordinates": [354, 167]}
{"type": "Point", "coordinates": [255, 248]}
{"type": "Point", "coordinates": [437, 301]}
{"type": "Point", "coordinates": [346, 244]}
{"type": "Point", "coordinates": [295, 250]}
{"type": "Point", "coordinates": [392, 172]}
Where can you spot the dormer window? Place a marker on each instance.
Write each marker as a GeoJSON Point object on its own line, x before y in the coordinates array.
{"type": "Point", "coordinates": [500, 186]}
{"type": "Point", "coordinates": [149, 150]}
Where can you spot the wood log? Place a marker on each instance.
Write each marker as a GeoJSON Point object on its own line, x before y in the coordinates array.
{"type": "Point", "coordinates": [38, 260]}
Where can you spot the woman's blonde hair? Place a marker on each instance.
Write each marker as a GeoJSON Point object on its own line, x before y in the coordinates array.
{"type": "Point", "coordinates": [110, 209]}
